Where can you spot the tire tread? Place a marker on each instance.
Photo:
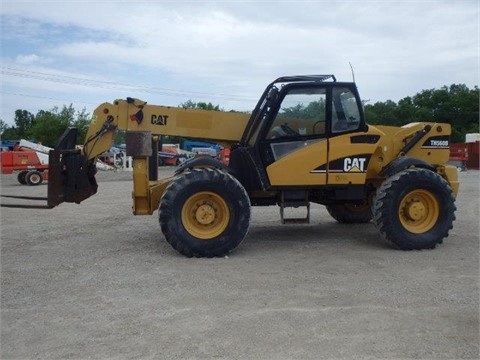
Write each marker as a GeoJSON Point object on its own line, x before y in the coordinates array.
{"type": "Point", "coordinates": [383, 215]}
{"type": "Point", "coordinates": [175, 236]}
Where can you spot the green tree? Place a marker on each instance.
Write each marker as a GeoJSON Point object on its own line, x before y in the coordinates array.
{"type": "Point", "coordinates": [50, 125]}
{"type": "Point", "coordinates": [208, 106]}
{"type": "Point", "coordinates": [82, 122]}
{"type": "Point", "coordinates": [314, 110]}
{"type": "Point", "coordinates": [455, 104]}
{"type": "Point", "coordinates": [3, 126]}
{"type": "Point", "coordinates": [8, 132]}
{"type": "Point", "coordinates": [405, 110]}
{"type": "Point", "coordinates": [189, 104]}
{"type": "Point", "coordinates": [24, 121]}
{"type": "Point", "coordinates": [382, 113]}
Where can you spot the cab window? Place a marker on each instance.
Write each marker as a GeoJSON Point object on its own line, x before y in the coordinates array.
{"type": "Point", "coordinates": [301, 113]}
{"type": "Point", "coordinates": [345, 110]}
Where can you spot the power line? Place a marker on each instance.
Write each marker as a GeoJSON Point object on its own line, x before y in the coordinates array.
{"type": "Point", "coordinates": [83, 81]}
{"type": "Point", "coordinates": [48, 98]}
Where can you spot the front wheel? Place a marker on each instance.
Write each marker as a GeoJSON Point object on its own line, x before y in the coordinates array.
{"type": "Point", "coordinates": [414, 209]}
{"type": "Point", "coordinates": [33, 178]}
{"type": "Point", "coordinates": [204, 213]}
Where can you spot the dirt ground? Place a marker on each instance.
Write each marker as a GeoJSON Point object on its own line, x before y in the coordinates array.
{"type": "Point", "coordinates": [92, 281]}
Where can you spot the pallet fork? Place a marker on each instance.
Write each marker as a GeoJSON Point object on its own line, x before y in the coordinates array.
{"type": "Point", "coordinates": [71, 176]}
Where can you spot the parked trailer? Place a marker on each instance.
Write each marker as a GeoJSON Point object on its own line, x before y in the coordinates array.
{"type": "Point", "coordinates": [473, 149]}
{"type": "Point", "coordinates": [467, 153]}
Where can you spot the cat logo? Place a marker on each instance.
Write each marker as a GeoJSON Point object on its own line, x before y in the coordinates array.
{"type": "Point", "coordinates": [354, 164]}
{"type": "Point", "coordinates": [159, 119]}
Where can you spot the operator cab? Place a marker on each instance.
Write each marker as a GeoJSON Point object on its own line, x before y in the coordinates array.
{"type": "Point", "coordinates": [295, 112]}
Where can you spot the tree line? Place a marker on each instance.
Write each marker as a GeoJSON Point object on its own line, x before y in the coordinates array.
{"type": "Point", "coordinates": [455, 104]}
{"type": "Point", "coordinates": [46, 126]}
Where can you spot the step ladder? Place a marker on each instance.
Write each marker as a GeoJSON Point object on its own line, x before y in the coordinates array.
{"type": "Point", "coordinates": [294, 199]}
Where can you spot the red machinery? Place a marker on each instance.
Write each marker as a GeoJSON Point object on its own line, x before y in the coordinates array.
{"type": "Point", "coordinates": [224, 156]}
{"type": "Point", "coordinates": [168, 156]}
{"type": "Point", "coordinates": [459, 155]}
{"type": "Point", "coordinates": [29, 159]}
{"type": "Point", "coordinates": [466, 154]}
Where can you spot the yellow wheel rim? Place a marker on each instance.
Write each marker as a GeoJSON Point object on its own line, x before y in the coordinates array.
{"type": "Point", "coordinates": [419, 211]}
{"type": "Point", "coordinates": [205, 215]}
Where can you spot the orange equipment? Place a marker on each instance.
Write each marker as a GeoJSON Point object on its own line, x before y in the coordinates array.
{"type": "Point", "coordinates": [29, 160]}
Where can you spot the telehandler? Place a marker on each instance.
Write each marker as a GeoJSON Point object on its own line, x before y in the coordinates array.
{"type": "Point", "coordinates": [306, 141]}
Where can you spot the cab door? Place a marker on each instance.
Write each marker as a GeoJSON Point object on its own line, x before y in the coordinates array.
{"type": "Point", "coordinates": [349, 149]}
{"type": "Point", "coordinates": [294, 143]}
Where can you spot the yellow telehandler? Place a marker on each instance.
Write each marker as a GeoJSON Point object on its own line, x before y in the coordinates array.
{"type": "Point", "coordinates": [306, 141]}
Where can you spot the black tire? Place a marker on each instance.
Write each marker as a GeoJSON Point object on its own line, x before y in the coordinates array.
{"type": "Point", "coordinates": [34, 178]}
{"type": "Point", "coordinates": [351, 213]}
{"type": "Point", "coordinates": [204, 213]}
{"type": "Point", "coordinates": [414, 209]}
{"type": "Point", "coordinates": [21, 177]}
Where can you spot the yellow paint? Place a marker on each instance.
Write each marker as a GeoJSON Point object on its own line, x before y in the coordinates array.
{"type": "Point", "coordinates": [219, 126]}
{"type": "Point", "coordinates": [419, 211]}
{"type": "Point", "coordinates": [298, 167]}
{"type": "Point", "coordinates": [205, 215]}
{"type": "Point", "coordinates": [141, 198]}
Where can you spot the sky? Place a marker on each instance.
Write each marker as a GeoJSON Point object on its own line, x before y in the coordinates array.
{"type": "Point", "coordinates": [85, 52]}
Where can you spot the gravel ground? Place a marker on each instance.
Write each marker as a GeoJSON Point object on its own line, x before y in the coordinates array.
{"type": "Point", "coordinates": [92, 281]}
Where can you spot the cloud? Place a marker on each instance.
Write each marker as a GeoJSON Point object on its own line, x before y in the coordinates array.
{"type": "Point", "coordinates": [228, 50]}
{"type": "Point", "coordinates": [27, 59]}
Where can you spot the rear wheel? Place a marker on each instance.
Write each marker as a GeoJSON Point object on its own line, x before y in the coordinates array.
{"type": "Point", "coordinates": [21, 177]}
{"type": "Point", "coordinates": [204, 213]}
{"type": "Point", "coordinates": [33, 178]}
{"type": "Point", "coordinates": [351, 213]}
{"type": "Point", "coordinates": [414, 209]}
